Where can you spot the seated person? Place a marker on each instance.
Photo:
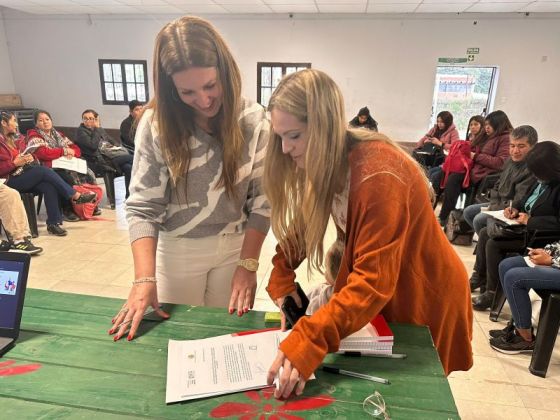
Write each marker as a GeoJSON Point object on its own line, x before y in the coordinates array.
{"type": "Point", "coordinates": [14, 220]}
{"type": "Point", "coordinates": [24, 176]}
{"type": "Point", "coordinates": [474, 132]}
{"type": "Point", "coordinates": [51, 144]}
{"type": "Point", "coordinates": [429, 149]}
{"type": "Point", "coordinates": [96, 144]}
{"type": "Point", "coordinates": [363, 120]}
{"type": "Point", "coordinates": [538, 210]}
{"type": "Point", "coordinates": [488, 154]}
{"type": "Point", "coordinates": [515, 178]}
{"type": "Point", "coordinates": [517, 280]}
{"type": "Point", "coordinates": [128, 125]}
{"type": "Point", "coordinates": [321, 294]}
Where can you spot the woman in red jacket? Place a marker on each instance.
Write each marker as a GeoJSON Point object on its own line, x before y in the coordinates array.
{"type": "Point", "coordinates": [52, 144]}
{"type": "Point", "coordinates": [25, 175]}
{"type": "Point", "coordinates": [379, 198]}
{"type": "Point", "coordinates": [488, 153]}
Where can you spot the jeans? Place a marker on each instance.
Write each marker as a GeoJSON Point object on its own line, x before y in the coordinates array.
{"type": "Point", "coordinates": [124, 163]}
{"type": "Point", "coordinates": [517, 279]}
{"type": "Point", "coordinates": [40, 179]}
{"type": "Point", "coordinates": [473, 216]}
{"type": "Point", "coordinates": [434, 175]}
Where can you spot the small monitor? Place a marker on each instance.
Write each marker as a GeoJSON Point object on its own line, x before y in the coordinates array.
{"type": "Point", "coordinates": [14, 268]}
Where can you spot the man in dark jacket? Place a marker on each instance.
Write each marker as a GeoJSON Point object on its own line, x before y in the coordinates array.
{"type": "Point", "coordinates": [515, 178]}
{"type": "Point", "coordinates": [364, 120]}
{"type": "Point", "coordinates": [128, 125]}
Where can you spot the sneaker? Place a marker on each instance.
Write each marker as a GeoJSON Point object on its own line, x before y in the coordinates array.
{"type": "Point", "coordinates": [97, 211]}
{"type": "Point", "coordinates": [513, 343]}
{"type": "Point", "coordinates": [56, 230]}
{"type": "Point", "coordinates": [5, 246]}
{"type": "Point", "coordinates": [504, 331]}
{"type": "Point", "coordinates": [86, 198]}
{"type": "Point", "coordinates": [483, 301]}
{"type": "Point", "coordinates": [26, 247]}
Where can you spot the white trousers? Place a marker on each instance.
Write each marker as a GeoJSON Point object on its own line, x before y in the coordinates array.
{"type": "Point", "coordinates": [197, 271]}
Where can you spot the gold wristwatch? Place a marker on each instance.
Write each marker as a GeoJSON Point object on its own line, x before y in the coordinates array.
{"type": "Point", "coordinates": [250, 264]}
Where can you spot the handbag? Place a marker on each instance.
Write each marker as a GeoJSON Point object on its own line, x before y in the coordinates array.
{"type": "Point", "coordinates": [458, 161]}
{"type": "Point", "coordinates": [112, 152]}
{"type": "Point", "coordinates": [457, 230]}
{"type": "Point", "coordinates": [501, 231]}
{"type": "Point", "coordinates": [85, 210]}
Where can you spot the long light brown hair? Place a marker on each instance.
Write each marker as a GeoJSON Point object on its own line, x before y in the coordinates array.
{"type": "Point", "coordinates": [193, 42]}
{"type": "Point", "coordinates": [301, 199]}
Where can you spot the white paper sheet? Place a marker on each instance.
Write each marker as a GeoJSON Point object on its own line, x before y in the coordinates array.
{"type": "Point", "coordinates": [219, 365]}
{"type": "Point", "coordinates": [72, 164]}
{"type": "Point", "coordinates": [499, 214]}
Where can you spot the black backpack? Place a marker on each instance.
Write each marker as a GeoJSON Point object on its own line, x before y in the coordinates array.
{"type": "Point", "coordinates": [457, 230]}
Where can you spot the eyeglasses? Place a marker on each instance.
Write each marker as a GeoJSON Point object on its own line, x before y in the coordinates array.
{"type": "Point", "coordinates": [375, 406]}
{"type": "Point", "coordinates": [89, 118]}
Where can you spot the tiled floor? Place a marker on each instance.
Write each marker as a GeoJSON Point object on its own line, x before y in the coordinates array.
{"type": "Point", "coordinates": [95, 259]}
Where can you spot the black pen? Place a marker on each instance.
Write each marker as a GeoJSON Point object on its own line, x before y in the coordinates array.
{"type": "Point", "coordinates": [385, 355]}
{"type": "Point", "coordinates": [338, 371]}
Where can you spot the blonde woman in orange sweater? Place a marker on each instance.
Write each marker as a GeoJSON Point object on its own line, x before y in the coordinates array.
{"type": "Point", "coordinates": [396, 259]}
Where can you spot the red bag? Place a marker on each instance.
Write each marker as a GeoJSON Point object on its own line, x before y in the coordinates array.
{"type": "Point", "coordinates": [85, 211]}
{"type": "Point", "coordinates": [458, 161]}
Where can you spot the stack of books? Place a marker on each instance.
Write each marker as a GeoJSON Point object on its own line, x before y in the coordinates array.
{"type": "Point", "coordinates": [375, 338]}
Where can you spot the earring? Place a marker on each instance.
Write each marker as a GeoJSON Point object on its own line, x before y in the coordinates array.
{"type": "Point", "coordinates": [174, 95]}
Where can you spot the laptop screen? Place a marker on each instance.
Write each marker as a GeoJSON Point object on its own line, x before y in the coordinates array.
{"type": "Point", "coordinates": [12, 285]}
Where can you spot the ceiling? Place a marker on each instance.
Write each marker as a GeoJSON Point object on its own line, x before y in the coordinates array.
{"type": "Point", "coordinates": [93, 7]}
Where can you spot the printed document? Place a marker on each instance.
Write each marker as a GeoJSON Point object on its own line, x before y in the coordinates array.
{"type": "Point", "coordinates": [220, 365]}
{"type": "Point", "coordinates": [72, 164]}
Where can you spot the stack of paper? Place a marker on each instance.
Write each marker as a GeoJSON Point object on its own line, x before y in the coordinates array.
{"type": "Point", "coordinates": [375, 338]}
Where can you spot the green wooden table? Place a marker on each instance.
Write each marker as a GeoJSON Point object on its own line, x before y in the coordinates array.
{"type": "Point", "coordinates": [65, 365]}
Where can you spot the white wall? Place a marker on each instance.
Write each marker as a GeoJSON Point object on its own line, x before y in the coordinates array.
{"type": "Point", "coordinates": [388, 64]}
{"type": "Point", "coordinates": [6, 78]}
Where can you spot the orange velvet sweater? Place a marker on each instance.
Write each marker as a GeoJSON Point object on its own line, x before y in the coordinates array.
{"type": "Point", "coordinates": [396, 261]}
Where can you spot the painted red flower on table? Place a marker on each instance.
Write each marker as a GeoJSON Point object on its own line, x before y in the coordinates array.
{"type": "Point", "coordinates": [6, 368]}
{"type": "Point", "coordinates": [263, 406]}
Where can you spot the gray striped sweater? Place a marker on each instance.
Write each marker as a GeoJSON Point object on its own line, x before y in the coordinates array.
{"type": "Point", "coordinates": [155, 204]}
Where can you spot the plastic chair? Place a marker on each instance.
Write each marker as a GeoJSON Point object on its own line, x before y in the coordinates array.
{"type": "Point", "coordinates": [549, 323]}
{"type": "Point", "coordinates": [28, 200]}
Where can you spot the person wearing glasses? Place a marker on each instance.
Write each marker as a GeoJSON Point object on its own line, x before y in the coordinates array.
{"type": "Point", "coordinates": [97, 145]}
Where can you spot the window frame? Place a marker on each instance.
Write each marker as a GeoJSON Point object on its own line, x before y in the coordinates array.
{"type": "Point", "coordinates": [124, 82]}
{"type": "Point", "coordinates": [283, 65]}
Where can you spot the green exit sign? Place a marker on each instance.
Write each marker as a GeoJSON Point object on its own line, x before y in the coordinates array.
{"type": "Point", "coordinates": [473, 50]}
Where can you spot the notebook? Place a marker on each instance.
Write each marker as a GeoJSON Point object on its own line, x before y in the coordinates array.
{"type": "Point", "coordinates": [14, 268]}
{"type": "Point", "coordinates": [375, 337]}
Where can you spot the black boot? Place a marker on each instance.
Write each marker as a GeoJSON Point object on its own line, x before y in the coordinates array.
{"type": "Point", "coordinates": [476, 281]}
{"type": "Point", "coordinates": [483, 301]}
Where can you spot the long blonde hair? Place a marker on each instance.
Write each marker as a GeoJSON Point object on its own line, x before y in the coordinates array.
{"type": "Point", "coordinates": [193, 42]}
{"type": "Point", "coordinates": [301, 200]}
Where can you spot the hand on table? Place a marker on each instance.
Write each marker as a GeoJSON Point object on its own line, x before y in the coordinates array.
{"type": "Point", "coordinates": [289, 379]}
{"type": "Point", "coordinates": [140, 297]}
{"type": "Point", "coordinates": [243, 290]}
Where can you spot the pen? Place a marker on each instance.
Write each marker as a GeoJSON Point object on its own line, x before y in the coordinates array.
{"type": "Point", "coordinates": [338, 371]}
{"type": "Point", "coordinates": [388, 356]}
{"type": "Point", "coordinates": [510, 206]}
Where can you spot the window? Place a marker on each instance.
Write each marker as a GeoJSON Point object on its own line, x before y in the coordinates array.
{"type": "Point", "coordinates": [464, 91]}
{"type": "Point", "coordinates": [270, 74]}
{"type": "Point", "coordinates": [123, 80]}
